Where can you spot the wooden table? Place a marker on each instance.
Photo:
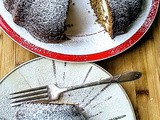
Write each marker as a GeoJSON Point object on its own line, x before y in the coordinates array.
{"type": "Point", "coordinates": [144, 57]}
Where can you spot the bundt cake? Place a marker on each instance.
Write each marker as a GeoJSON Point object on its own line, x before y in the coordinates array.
{"type": "Point", "coordinates": [45, 20]}
{"type": "Point", "coordinates": [41, 111]}
{"type": "Point", "coordinates": [116, 15]}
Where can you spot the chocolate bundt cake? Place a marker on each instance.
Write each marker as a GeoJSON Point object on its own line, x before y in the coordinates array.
{"type": "Point", "coordinates": [116, 15]}
{"type": "Point", "coordinates": [39, 111]}
{"type": "Point", "coordinates": [45, 20]}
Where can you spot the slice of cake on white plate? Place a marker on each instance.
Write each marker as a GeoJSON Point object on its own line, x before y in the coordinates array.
{"type": "Point", "coordinates": [49, 111]}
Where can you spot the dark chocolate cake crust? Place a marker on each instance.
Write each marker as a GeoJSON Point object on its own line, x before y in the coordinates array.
{"type": "Point", "coordinates": [124, 12]}
{"type": "Point", "coordinates": [45, 20]}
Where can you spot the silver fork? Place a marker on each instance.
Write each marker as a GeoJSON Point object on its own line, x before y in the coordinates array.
{"type": "Point", "coordinates": [52, 92]}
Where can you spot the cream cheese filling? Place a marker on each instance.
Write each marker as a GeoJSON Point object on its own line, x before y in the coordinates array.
{"type": "Point", "coordinates": [105, 8]}
{"type": "Point", "coordinates": [106, 11]}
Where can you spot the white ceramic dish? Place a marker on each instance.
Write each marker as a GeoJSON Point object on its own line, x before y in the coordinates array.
{"type": "Point", "coordinates": [99, 102]}
{"type": "Point", "coordinates": [89, 42]}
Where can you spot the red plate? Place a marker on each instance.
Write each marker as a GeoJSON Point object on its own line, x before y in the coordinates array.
{"type": "Point", "coordinates": [129, 39]}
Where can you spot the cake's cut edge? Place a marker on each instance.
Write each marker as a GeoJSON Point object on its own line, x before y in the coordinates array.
{"type": "Point", "coordinates": [103, 13]}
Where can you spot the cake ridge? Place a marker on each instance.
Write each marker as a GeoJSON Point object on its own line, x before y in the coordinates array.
{"type": "Point", "coordinates": [46, 21]}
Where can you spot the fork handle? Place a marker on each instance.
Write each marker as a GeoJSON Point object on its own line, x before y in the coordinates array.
{"type": "Point", "coordinates": [124, 77]}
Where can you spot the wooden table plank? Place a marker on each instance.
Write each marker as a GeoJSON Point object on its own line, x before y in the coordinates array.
{"type": "Point", "coordinates": [11, 54]}
{"type": "Point", "coordinates": [7, 52]}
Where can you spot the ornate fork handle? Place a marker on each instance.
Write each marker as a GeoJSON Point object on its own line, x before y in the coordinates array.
{"type": "Point", "coordinates": [124, 77]}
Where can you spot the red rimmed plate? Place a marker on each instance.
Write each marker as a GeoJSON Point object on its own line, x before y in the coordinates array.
{"type": "Point", "coordinates": [89, 41]}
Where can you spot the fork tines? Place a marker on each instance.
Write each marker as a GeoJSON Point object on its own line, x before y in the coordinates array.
{"type": "Point", "coordinates": [32, 94]}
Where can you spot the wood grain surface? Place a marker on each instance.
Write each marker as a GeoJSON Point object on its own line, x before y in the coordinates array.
{"type": "Point", "coordinates": [144, 57]}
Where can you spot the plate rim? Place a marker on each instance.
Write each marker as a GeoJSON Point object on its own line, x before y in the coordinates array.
{"type": "Point", "coordinates": [86, 57]}
{"type": "Point", "coordinates": [39, 58]}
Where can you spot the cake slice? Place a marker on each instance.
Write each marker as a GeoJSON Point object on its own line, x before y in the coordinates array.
{"type": "Point", "coordinates": [44, 19]}
{"type": "Point", "coordinates": [49, 111]}
{"type": "Point", "coordinates": [116, 15]}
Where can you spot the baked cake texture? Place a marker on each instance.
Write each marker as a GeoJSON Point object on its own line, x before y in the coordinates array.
{"type": "Point", "coordinates": [116, 15]}
{"type": "Point", "coordinates": [53, 111]}
{"type": "Point", "coordinates": [45, 20]}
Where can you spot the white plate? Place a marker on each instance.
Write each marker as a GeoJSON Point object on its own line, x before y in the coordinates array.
{"type": "Point", "coordinates": [100, 102]}
{"type": "Point", "coordinates": [89, 41]}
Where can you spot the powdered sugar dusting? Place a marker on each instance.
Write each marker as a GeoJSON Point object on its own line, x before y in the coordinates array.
{"type": "Point", "coordinates": [49, 112]}
{"type": "Point", "coordinates": [44, 20]}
